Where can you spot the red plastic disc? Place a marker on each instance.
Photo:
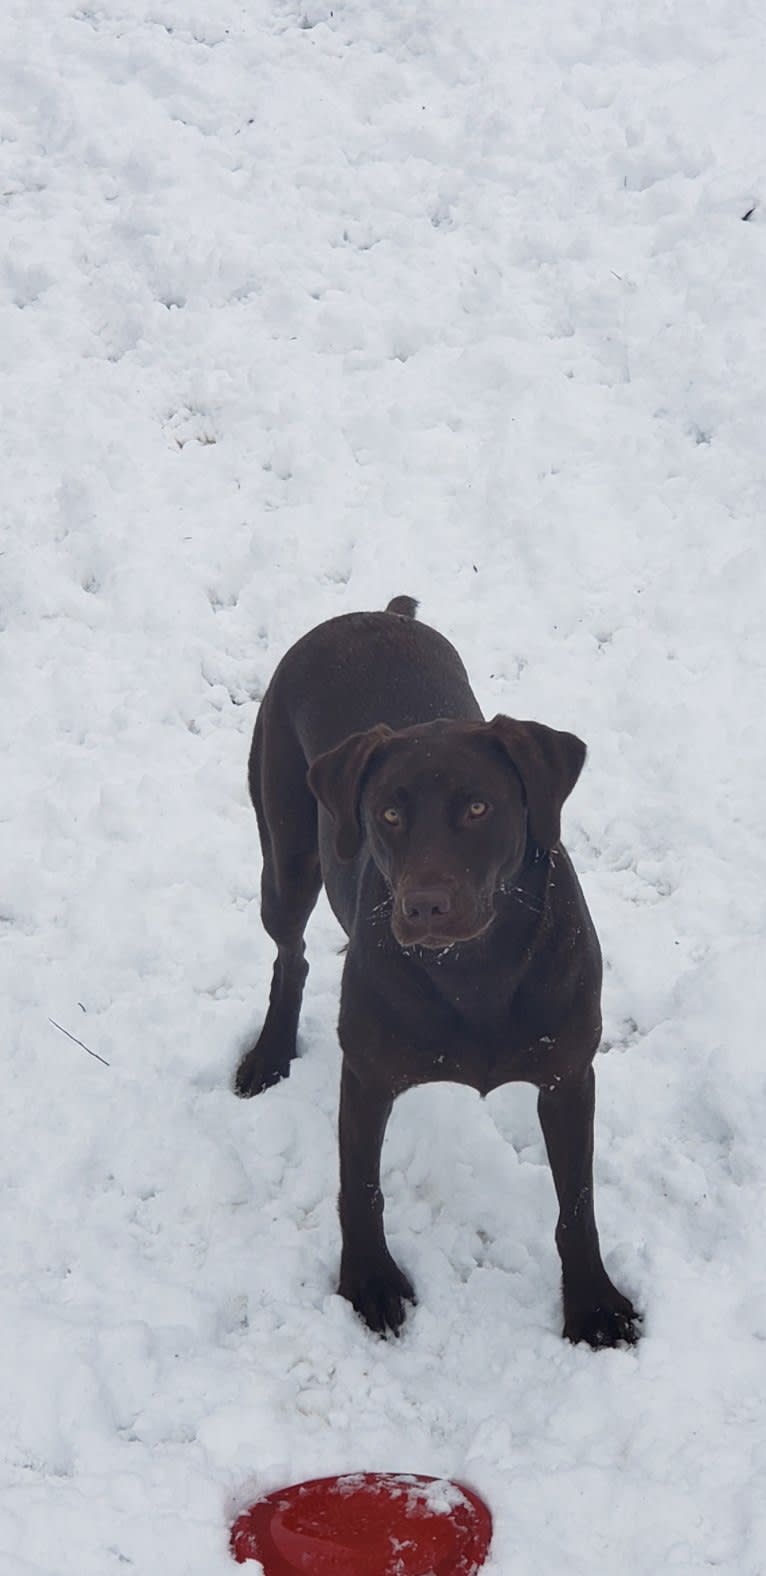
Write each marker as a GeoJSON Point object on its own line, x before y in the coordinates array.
{"type": "Point", "coordinates": [366, 1524]}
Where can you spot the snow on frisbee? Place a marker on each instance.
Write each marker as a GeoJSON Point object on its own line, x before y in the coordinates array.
{"type": "Point", "coordinates": [366, 1524]}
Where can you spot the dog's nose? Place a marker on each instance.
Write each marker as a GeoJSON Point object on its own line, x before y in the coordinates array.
{"type": "Point", "coordinates": [426, 903]}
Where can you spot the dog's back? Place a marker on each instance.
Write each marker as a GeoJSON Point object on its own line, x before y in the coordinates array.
{"type": "Point", "coordinates": [364, 668]}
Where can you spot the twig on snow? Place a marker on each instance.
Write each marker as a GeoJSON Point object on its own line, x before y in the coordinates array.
{"type": "Point", "coordinates": [79, 1042]}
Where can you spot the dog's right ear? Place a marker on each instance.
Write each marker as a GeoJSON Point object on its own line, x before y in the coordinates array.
{"type": "Point", "coordinates": [336, 780]}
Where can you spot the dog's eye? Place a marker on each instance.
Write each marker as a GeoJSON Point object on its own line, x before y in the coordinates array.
{"type": "Point", "coordinates": [477, 808]}
{"type": "Point", "coordinates": [392, 816]}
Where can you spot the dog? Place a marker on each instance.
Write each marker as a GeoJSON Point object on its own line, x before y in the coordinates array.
{"type": "Point", "coordinates": [471, 955]}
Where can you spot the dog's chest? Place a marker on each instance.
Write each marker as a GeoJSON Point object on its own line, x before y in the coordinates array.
{"type": "Point", "coordinates": [476, 1038]}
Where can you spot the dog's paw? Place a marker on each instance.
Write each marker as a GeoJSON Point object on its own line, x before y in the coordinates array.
{"type": "Point", "coordinates": [612, 1321]}
{"type": "Point", "coordinates": [257, 1072]}
{"type": "Point", "coordinates": [378, 1296]}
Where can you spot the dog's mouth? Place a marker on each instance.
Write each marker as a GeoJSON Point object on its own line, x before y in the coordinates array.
{"type": "Point", "coordinates": [439, 936]}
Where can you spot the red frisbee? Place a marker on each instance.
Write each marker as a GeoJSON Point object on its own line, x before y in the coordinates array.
{"type": "Point", "coordinates": [366, 1524]}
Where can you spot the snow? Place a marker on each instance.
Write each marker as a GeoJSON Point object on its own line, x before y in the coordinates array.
{"type": "Point", "coordinates": [303, 306]}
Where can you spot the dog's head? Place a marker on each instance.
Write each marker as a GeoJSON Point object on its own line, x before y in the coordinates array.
{"type": "Point", "coordinates": [447, 810]}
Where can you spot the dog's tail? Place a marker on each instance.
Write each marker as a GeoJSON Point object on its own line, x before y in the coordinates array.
{"type": "Point", "coordinates": [405, 606]}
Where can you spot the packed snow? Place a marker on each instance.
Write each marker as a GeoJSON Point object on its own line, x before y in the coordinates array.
{"type": "Point", "coordinates": [304, 306]}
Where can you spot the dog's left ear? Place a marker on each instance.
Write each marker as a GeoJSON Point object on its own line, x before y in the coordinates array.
{"type": "Point", "coordinates": [336, 781]}
{"type": "Point", "coordinates": [548, 763]}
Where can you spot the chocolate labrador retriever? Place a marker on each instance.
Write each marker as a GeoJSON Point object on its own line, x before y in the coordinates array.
{"type": "Point", "coordinates": [471, 958]}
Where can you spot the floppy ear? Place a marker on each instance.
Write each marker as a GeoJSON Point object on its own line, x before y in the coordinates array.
{"type": "Point", "coordinates": [336, 780]}
{"type": "Point", "coordinates": [548, 763]}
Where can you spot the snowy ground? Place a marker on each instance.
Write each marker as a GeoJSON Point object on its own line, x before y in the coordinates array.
{"type": "Point", "coordinates": [301, 308]}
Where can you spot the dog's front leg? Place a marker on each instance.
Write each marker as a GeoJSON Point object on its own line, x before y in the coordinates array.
{"type": "Point", "coordinates": [369, 1277]}
{"type": "Point", "coordinates": [594, 1310]}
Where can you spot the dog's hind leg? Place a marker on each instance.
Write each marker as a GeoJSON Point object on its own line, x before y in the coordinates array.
{"type": "Point", "coordinates": [286, 811]}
